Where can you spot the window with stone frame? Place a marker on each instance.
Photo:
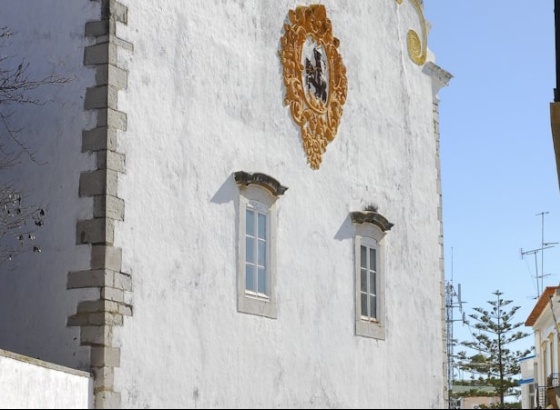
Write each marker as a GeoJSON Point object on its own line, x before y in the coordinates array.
{"type": "Point", "coordinates": [370, 229]}
{"type": "Point", "coordinates": [257, 224]}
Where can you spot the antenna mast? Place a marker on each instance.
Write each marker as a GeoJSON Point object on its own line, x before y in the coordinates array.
{"type": "Point", "coordinates": [450, 305]}
{"type": "Point", "coordinates": [544, 245]}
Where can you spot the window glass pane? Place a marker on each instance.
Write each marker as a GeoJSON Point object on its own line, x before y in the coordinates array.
{"type": "Point", "coordinates": [363, 257]}
{"type": "Point", "coordinates": [363, 280]}
{"type": "Point", "coordinates": [249, 250]}
{"type": "Point", "coordinates": [372, 306]}
{"type": "Point", "coordinates": [262, 280]}
{"type": "Point", "coordinates": [262, 253]}
{"type": "Point", "coordinates": [364, 311]}
{"type": "Point", "coordinates": [372, 283]}
{"type": "Point", "coordinates": [250, 277]}
{"type": "Point", "coordinates": [250, 222]}
{"type": "Point", "coordinates": [262, 226]}
{"type": "Point", "coordinates": [372, 262]}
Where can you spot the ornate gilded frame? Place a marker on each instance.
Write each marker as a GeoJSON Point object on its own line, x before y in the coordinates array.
{"type": "Point", "coordinates": [317, 119]}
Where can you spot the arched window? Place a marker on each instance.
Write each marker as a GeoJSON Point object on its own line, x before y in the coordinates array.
{"type": "Point", "coordinates": [256, 272]}
{"type": "Point", "coordinates": [370, 229]}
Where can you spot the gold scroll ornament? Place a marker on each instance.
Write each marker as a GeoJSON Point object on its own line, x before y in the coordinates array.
{"type": "Point", "coordinates": [417, 49]}
{"type": "Point", "coordinates": [317, 112]}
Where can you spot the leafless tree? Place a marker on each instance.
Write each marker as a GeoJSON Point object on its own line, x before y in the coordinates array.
{"type": "Point", "coordinates": [18, 220]}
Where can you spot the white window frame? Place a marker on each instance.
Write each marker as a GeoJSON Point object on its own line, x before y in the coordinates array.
{"type": "Point", "coordinates": [371, 236]}
{"type": "Point", "coordinates": [260, 199]}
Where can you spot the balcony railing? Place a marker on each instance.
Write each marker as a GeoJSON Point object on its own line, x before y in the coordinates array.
{"type": "Point", "coordinates": [542, 401]}
{"type": "Point", "coordinates": [548, 395]}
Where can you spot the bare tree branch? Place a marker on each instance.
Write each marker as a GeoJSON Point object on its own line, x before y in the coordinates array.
{"type": "Point", "coordinates": [18, 221]}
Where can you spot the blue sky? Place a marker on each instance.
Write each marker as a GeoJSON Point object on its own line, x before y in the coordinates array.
{"type": "Point", "coordinates": [498, 165]}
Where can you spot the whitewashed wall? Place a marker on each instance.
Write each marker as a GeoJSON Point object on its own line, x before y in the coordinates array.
{"type": "Point", "coordinates": [34, 302]}
{"type": "Point", "coordinates": [27, 383]}
{"type": "Point", "coordinates": [205, 99]}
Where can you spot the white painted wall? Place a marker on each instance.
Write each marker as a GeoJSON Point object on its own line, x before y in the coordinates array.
{"type": "Point", "coordinates": [205, 99]}
{"type": "Point", "coordinates": [34, 302]}
{"type": "Point", "coordinates": [27, 383]}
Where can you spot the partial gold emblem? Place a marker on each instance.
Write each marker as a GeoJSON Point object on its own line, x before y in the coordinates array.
{"type": "Point", "coordinates": [315, 78]}
{"type": "Point", "coordinates": [417, 49]}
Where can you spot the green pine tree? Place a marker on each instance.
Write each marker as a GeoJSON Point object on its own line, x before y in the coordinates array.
{"type": "Point", "coordinates": [493, 361]}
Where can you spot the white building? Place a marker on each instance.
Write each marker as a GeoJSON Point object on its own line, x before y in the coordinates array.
{"type": "Point", "coordinates": [176, 266]}
{"type": "Point", "coordinates": [544, 321]}
{"type": "Point", "coordinates": [528, 392]}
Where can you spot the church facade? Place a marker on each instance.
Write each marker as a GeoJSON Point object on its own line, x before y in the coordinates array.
{"type": "Point", "coordinates": [243, 202]}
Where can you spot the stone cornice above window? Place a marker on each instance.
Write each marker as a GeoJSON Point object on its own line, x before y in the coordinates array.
{"type": "Point", "coordinates": [246, 178]}
{"type": "Point", "coordinates": [361, 217]}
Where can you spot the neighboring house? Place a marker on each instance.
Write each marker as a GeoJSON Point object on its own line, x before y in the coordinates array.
{"type": "Point", "coordinates": [528, 388]}
{"type": "Point", "coordinates": [244, 202]}
{"type": "Point", "coordinates": [555, 104]}
{"type": "Point", "coordinates": [475, 402]}
{"type": "Point", "coordinates": [465, 398]}
{"type": "Point", "coordinates": [544, 321]}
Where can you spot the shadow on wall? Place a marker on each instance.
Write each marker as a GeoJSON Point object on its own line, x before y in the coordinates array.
{"type": "Point", "coordinates": [346, 230]}
{"type": "Point", "coordinates": [226, 193]}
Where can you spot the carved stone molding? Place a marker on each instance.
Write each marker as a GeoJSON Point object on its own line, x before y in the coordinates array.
{"type": "Point", "coordinates": [245, 178]}
{"type": "Point", "coordinates": [361, 217]}
{"type": "Point", "coordinates": [314, 76]}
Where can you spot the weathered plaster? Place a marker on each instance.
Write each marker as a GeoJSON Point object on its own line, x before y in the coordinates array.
{"type": "Point", "coordinates": [213, 80]}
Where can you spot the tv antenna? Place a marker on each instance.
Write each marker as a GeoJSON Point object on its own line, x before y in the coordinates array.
{"type": "Point", "coordinates": [452, 301]}
{"type": "Point", "coordinates": [544, 245]}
